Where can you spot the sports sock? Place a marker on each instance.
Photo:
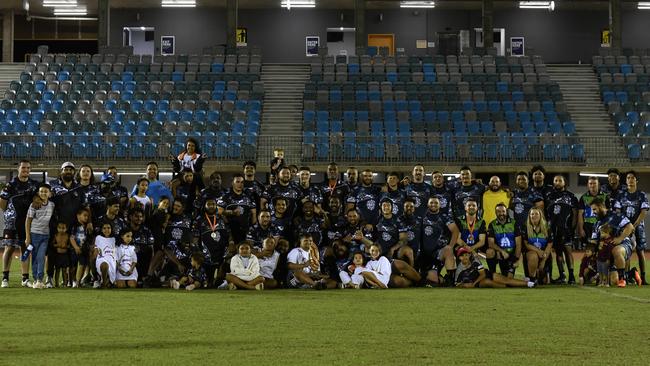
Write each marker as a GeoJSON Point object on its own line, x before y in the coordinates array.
{"type": "Point", "coordinates": [492, 264]}
{"type": "Point", "coordinates": [5, 275]}
{"type": "Point", "coordinates": [621, 273]}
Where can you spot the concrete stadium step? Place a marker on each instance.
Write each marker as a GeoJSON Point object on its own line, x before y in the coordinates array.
{"type": "Point", "coordinates": [8, 73]}
{"type": "Point", "coordinates": [284, 85]}
{"type": "Point", "coordinates": [581, 92]}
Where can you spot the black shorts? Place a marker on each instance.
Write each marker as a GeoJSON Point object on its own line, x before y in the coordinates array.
{"type": "Point", "coordinates": [62, 260]}
{"type": "Point", "coordinates": [426, 262]}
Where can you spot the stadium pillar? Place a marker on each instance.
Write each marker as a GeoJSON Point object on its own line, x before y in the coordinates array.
{"type": "Point", "coordinates": [8, 36]}
{"type": "Point", "coordinates": [231, 23]}
{"type": "Point", "coordinates": [615, 23]}
{"type": "Point", "coordinates": [360, 23]}
{"type": "Point", "coordinates": [488, 24]}
{"type": "Point", "coordinates": [103, 22]}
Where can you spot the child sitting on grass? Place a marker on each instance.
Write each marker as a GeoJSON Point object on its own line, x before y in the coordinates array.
{"type": "Point", "coordinates": [605, 247]}
{"type": "Point", "coordinates": [195, 277]}
{"type": "Point", "coordinates": [104, 252]}
{"type": "Point", "coordinates": [127, 260]}
{"type": "Point", "coordinates": [62, 257]}
{"type": "Point", "coordinates": [351, 277]}
{"type": "Point", "coordinates": [245, 270]}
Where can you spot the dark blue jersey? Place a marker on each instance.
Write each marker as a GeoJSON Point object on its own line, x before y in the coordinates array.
{"type": "Point", "coordinates": [313, 226]}
{"type": "Point", "coordinates": [559, 209]}
{"type": "Point", "coordinates": [412, 226]}
{"type": "Point", "coordinates": [419, 193]}
{"type": "Point", "coordinates": [464, 193]}
{"type": "Point", "coordinates": [630, 205]}
{"type": "Point", "coordinates": [387, 233]}
{"type": "Point", "coordinates": [445, 197]}
{"type": "Point", "coordinates": [257, 234]}
{"type": "Point", "coordinates": [435, 231]}
{"type": "Point", "coordinates": [19, 196]}
{"type": "Point", "coordinates": [366, 200]}
{"type": "Point", "coordinates": [396, 197]}
{"type": "Point", "coordinates": [615, 220]}
{"type": "Point", "coordinates": [291, 193]}
{"type": "Point", "coordinates": [521, 203]}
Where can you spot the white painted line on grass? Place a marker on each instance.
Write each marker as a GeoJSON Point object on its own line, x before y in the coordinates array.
{"type": "Point", "coordinates": [634, 298]}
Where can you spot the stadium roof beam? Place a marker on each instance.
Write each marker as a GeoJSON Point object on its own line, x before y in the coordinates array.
{"type": "Point", "coordinates": [488, 21]}
{"type": "Point", "coordinates": [615, 23]}
{"type": "Point", "coordinates": [360, 23]}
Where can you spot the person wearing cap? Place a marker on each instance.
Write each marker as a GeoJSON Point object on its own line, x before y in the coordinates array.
{"type": "Point", "coordinates": [68, 199]}
{"type": "Point", "coordinates": [112, 181]}
{"type": "Point", "coordinates": [156, 189]}
{"type": "Point", "coordinates": [470, 273]}
{"type": "Point", "coordinates": [15, 200]}
{"type": "Point", "coordinates": [365, 198]}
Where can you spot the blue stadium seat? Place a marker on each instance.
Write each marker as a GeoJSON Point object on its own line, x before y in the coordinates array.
{"type": "Point", "coordinates": [634, 151]}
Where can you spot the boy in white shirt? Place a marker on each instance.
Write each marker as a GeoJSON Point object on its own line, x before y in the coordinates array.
{"type": "Point", "coordinates": [245, 270]}
{"type": "Point", "coordinates": [304, 266]}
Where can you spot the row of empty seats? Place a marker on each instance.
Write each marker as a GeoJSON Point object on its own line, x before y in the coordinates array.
{"type": "Point", "coordinates": [98, 59]}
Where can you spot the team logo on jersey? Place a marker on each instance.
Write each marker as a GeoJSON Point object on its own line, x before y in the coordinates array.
{"type": "Point", "coordinates": [505, 242]}
{"type": "Point", "coordinates": [417, 201]}
{"type": "Point", "coordinates": [215, 236]}
{"type": "Point", "coordinates": [557, 209]}
{"type": "Point", "coordinates": [386, 236]}
{"type": "Point", "coordinates": [331, 235]}
{"type": "Point", "coordinates": [370, 205]}
{"type": "Point", "coordinates": [519, 208]}
{"type": "Point", "coordinates": [177, 233]}
{"type": "Point", "coordinates": [443, 201]}
{"type": "Point", "coordinates": [411, 235]}
{"type": "Point", "coordinates": [630, 212]}
{"type": "Point", "coordinates": [428, 230]}
{"type": "Point", "coordinates": [395, 209]}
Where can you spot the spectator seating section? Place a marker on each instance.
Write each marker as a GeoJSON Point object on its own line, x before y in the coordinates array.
{"type": "Point", "coordinates": [625, 90]}
{"type": "Point", "coordinates": [133, 107]}
{"type": "Point", "coordinates": [477, 108]}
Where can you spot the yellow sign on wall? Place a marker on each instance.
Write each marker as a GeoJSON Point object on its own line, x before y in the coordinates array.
{"type": "Point", "coordinates": [242, 37]}
{"type": "Point", "coordinates": [605, 38]}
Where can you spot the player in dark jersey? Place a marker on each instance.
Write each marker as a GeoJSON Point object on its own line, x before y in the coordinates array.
{"type": "Point", "coordinates": [281, 228]}
{"type": "Point", "coordinates": [562, 213]}
{"type": "Point", "coordinates": [622, 229]}
{"type": "Point", "coordinates": [143, 241]}
{"type": "Point", "coordinates": [468, 189]}
{"type": "Point", "coordinates": [311, 223]}
{"type": "Point", "coordinates": [440, 189]}
{"type": "Point", "coordinates": [212, 236]}
{"type": "Point", "coordinates": [178, 240]}
{"type": "Point", "coordinates": [538, 175]}
{"type": "Point", "coordinates": [419, 191]}
{"type": "Point", "coordinates": [332, 186]}
{"type": "Point", "coordinates": [613, 186]}
{"type": "Point", "coordinates": [337, 221]}
{"type": "Point", "coordinates": [284, 188]}
{"type": "Point", "coordinates": [15, 199]}
{"type": "Point", "coordinates": [308, 191]}
{"type": "Point", "coordinates": [472, 229]}
{"type": "Point", "coordinates": [505, 240]}
{"type": "Point", "coordinates": [411, 226]}
{"type": "Point", "coordinates": [186, 189]}
{"type": "Point", "coordinates": [470, 273]}
{"type": "Point", "coordinates": [523, 199]}
{"type": "Point", "coordinates": [252, 187]}
{"type": "Point", "coordinates": [633, 204]}
{"type": "Point", "coordinates": [439, 235]}
{"type": "Point", "coordinates": [115, 187]}
{"type": "Point", "coordinates": [260, 231]}
{"type": "Point", "coordinates": [238, 208]}
{"type": "Point", "coordinates": [214, 190]}
{"type": "Point", "coordinates": [365, 197]}
{"type": "Point", "coordinates": [352, 177]}
{"type": "Point", "coordinates": [394, 192]}
{"type": "Point", "coordinates": [586, 221]}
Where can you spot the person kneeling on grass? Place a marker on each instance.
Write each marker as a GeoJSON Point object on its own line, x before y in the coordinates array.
{"type": "Point", "coordinates": [195, 277]}
{"type": "Point", "coordinates": [470, 273]}
{"type": "Point", "coordinates": [304, 266]}
{"type": "Point", "coordinates": [127, 260]}
{"type": "Point", "coordinates": [351, 277]}
{"type": "Point", "coordinates": [244, 270]}
{"type": "Point", "coordinates": [105, 255]}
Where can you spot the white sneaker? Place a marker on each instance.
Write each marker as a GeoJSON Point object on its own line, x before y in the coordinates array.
{"type": "Point", "coordinates": [223, 286]}
{"type": "Point", "coordinates": [38, 285]}
{"type": "Point", "coordinates": [48, 283]}
{"type": "Point", "coordinates": [5, 284]}
{"type": "Point", "coordinates": [259, 286]}
{"type": "Point", "coordinates": [27, 283]}
{"type": "Point", "coordinates": [75, 284]}
{"type": "Point", "coordinates": [97, 284]}
{"type": "Point", "coordinates": [175, 284]}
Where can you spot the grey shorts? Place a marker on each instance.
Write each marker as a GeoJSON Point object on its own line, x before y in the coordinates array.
{"type": "Point", "coordinates": [12, 238]}
{"type": "Point", "coordinates": [627, 244]}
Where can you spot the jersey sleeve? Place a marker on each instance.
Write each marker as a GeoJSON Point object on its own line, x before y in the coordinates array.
{"type": "Point", "coordinates": [7, 192]}
{"type": "Point", "coordinates": [482, 229]}
{"type": "Point", "coordinates": [292, 257]}
{"type": "Point", "coordinates": [490, 230]}
{"type": "Point", "coordinates": [31, 212]}
{"type": "Point", "coordinates": [644, 201]}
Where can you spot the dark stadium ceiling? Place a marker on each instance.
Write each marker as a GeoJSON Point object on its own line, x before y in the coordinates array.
{"type": "Point", "coordinates": [37, 8]}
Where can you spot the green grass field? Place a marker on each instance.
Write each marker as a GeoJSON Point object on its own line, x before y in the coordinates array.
{"type": "Point", "coordinates": [552, 325]}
